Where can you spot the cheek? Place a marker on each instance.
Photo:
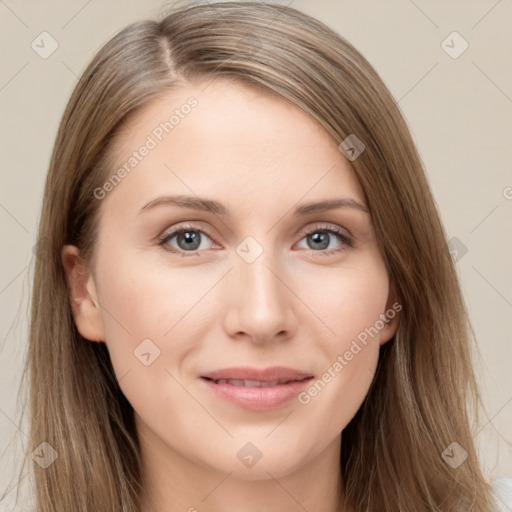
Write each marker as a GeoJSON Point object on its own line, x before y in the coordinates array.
{"type": "Point", "coordinates": [140, 295]}
{"type": "Point", "coordinates": [147, 312]}
{"type": "Point", "coordinates": [144, 299]}
{"type": "Point", "coordinates": [348, 300]}
{"type": "Point", "coordinates": [140, 302]}
{"type": "Point", "coordinates": [350, 361]}
{"type": "Point", "coordinates": [351, 304]}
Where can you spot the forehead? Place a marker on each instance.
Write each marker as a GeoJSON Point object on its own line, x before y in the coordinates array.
{"type": "Point", "coordinates": [224, 137]}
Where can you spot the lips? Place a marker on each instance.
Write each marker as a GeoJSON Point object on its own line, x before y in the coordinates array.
{"type": "Point", "coordinates": [251, 383]}
{"type": "Point", "coordinates": [257, 389]}
{"type": "Point", "coordinates": [246, 376]}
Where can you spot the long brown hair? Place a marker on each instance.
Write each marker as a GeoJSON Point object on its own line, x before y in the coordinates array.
{"type": "Point", "coordinates": [424, 389]}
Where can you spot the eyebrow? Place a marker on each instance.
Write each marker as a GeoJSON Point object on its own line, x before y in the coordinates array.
{"type": "Point", "coordinates": [209, 205]}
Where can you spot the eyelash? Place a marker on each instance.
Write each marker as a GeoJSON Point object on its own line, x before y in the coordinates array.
{"type": "Point", "coordinates": [343, 237]}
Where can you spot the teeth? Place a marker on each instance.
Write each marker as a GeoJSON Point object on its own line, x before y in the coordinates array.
{"type": "Point", "coordinates": [255, 383]}
{"type": "Point", "coordinates": [250, 383]}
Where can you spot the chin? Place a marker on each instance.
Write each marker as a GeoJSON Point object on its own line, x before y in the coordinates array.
{"type": "Point", "coordinates": [262, 470]}
{"type": "Point", "coordinates": [260, 460]}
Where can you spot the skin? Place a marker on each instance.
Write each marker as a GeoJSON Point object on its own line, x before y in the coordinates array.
{"type": "Point", "coordinates": [295, 305]}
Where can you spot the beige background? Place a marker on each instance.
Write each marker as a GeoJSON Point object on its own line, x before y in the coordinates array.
{"type": "Point", "coordinates": [458, 109]}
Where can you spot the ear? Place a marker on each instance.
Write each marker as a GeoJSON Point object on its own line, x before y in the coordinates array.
{"type": "Point", "coordinates": [391, 315]}
{"type": "Point", "coordinates": [82, 295]}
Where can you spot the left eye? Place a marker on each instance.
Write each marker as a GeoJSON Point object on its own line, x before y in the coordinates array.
{"type": "Point", "coordinates": [320, 239]}
{"type": "Point", "coordinates": [189, 239]}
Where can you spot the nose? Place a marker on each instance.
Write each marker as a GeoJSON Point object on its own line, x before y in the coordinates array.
{"type": "Point", "coordinates": [261, 306]}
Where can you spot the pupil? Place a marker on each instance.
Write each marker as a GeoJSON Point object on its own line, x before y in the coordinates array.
{"type": "Point", "coordinates": [320, 238]}
{"type": "Point", "coordinates": [190, 238]}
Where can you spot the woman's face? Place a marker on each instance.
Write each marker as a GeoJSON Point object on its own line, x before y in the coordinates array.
{"type": "Point", "coordinates": [248, 341]}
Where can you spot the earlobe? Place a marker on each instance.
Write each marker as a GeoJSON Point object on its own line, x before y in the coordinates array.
{"type": "Point", "coordinates": [82, 295]}
{"type": "Point", "coordinates": [392, 315]}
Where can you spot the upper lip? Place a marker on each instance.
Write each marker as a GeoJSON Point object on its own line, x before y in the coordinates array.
{"type": "Point", "coordinates": [273, 373]}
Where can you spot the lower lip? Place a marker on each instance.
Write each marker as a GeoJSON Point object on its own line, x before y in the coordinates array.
{"type": "Point", "coordinates": [258, 398]}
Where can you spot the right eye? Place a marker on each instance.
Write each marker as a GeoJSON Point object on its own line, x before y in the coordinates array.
{"type": "Point", "coordinates": [187, 239]}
